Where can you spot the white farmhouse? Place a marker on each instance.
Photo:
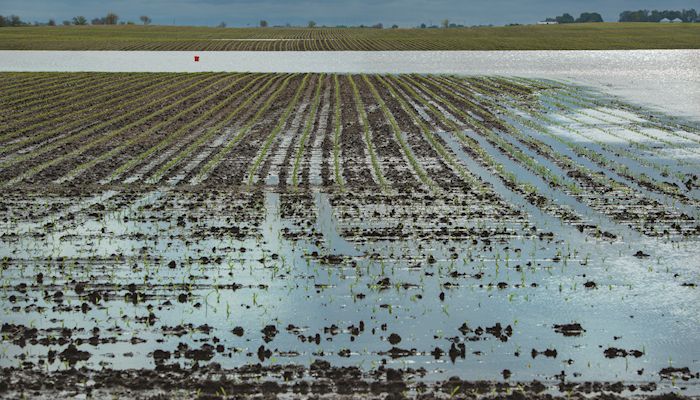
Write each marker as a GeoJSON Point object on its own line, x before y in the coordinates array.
{"type": "Point", "coordinates": [665, 21]}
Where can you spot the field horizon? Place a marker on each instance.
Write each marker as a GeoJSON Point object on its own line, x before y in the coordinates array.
{"type": "Point", "coordinates": [588, 36]}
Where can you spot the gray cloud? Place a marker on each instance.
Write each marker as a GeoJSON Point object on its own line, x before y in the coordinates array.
{"type": "Point", "coordinates": [330, 12]}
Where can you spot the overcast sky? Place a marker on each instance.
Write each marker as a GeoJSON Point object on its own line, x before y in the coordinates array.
{"type": "Point", "coordinates": [329, 12]}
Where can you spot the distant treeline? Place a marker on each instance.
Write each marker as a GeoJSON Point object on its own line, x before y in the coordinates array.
{"type": "Point", "coordinates": [656, 15]}
{"type": "Point", "coordinates": [567, 18]}
{"type": "Point", "coordinates": [626, 16]}
{"type": "Point", "coordinates": [11, 20]}
{"type": "Point", "coordinates": [109, 19]}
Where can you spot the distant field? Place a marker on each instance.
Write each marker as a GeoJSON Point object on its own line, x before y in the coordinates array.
{"type": "Point", "coordinates": [603, 36]}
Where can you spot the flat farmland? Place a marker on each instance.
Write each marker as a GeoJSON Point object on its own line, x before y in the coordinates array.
{"type": "Point", "coordinates": [219, 234]}
{"type": "Point", "coordinates": [598, 36]}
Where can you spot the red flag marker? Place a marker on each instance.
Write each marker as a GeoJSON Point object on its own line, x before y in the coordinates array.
{"type": "Point", "coordinates": [196, 58]}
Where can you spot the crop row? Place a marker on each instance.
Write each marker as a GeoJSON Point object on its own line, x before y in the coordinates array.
{"type": "Point", "coordinates": [398, 134]}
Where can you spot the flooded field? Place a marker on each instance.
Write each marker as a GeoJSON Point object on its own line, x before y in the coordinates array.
{"type": "Point", "coordinates": [219, 234]}
{"type": "Point", "coordinates": [665, 80]}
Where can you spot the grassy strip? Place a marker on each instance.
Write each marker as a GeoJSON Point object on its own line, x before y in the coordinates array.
{"type": "Point", "coordinates": [307, 129]}
{"type": "Point", "coordinates": [368, 139]}
{"type": "Point", "coordinates": [214, 161]}
{"type": "Point", "coordinates": [212, 130]}
{"type": "Point", "coordinates": [399, 138]}
{"type": "Point", "coordinates": [337, 120]}
{"type": "Point", "coordinates": [108, 136]}
{"type": "Point", "coordinates": [160, 125]}
{"type": "Point", "coordinates": [106, 114]}
{"type": "Point", "coordinates": [253, 169]}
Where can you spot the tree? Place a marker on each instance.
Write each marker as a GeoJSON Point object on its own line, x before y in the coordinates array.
{"type": "Point", "coordinates": [445, 23]}
{"type": "Point", "coordinates": [311, 24]}
{"type": "Point", "coordinates": [635, 16]}
{"type": "Point", "coordinates": [657, 15]}
{"type": "Point", "coordinates": [52, 22]}
{"type": "Point", "coordinates": [263, 23]}
{"type": "Point", "coordinates": [79, 20]}
{"type": "Point", "coordinates": [589, 17]}
{"type": "Point", "coordinates": [222, 25]}
{"type": "Point", "coordinates": [423, 26]}
{"type": "Point", "coordinates": [66, 22]}
{"type": "Point", "coordinates": [145, 19]}
{"type": "Point", "coordinates": [394, 26]}
{"type": "Point", "coordinates": [690, 15]}
{"type": "Point", "coordinates": [565, 18]}
{"type": "Point", "coordinates": [15, 20]}
{"type": "Point", "coordinates": [111, 19]}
